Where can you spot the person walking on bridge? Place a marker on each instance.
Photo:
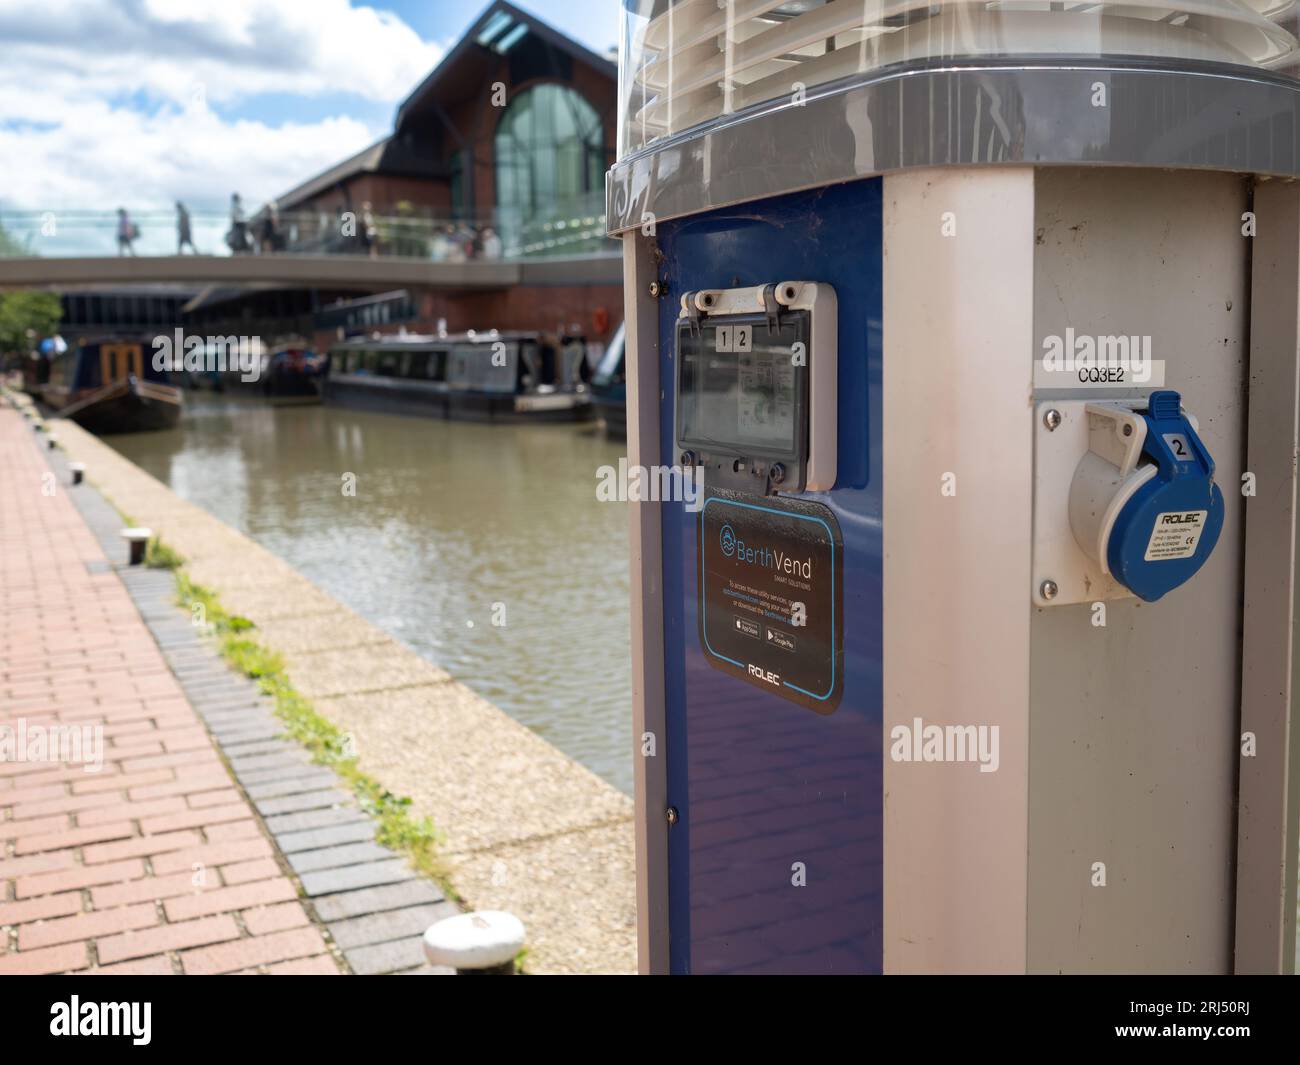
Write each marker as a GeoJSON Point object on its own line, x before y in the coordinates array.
{"type": "Point", "coordinates": [237, 238]}
{"type": "Point", "coordinates": [127, 231]}
{"type": "Point", "coordinates": [184, 235]}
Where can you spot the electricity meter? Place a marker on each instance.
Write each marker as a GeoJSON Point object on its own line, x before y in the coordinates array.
{"type": "Point", "coordinates": [756, 387]}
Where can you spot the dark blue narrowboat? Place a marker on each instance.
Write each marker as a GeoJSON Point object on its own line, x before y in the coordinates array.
{"type": "Point", "coordinates": [515, 377]}
{"type": "Point", "coordinates": [609, 388]}
{"type": "Point", "coordinates": [294, 372]}
{"type": "Point", "coordinates": [35, 373]}
{"type": "Point", "coordinates": [111, 386]}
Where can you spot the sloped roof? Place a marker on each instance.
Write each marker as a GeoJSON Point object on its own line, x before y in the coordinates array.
{"type": "Point", "coordinates": [500, 28]}
{"type": "Point", "coordinates": [365, 161]}
{"type": "Point", "coordinates": [391, 155]}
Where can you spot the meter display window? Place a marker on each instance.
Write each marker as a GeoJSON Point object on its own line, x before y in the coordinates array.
{"type": "Point", "coordinates": [739, 385]}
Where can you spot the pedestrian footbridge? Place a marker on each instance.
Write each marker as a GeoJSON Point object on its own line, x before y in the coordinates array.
{"type": "Point", "coordinates": [306, 270]}
{"type": "Point", "coordinates": [566, 244]}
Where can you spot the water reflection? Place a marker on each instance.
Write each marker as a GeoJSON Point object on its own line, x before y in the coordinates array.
{"type": "Point", "coordinates": [448, 519]}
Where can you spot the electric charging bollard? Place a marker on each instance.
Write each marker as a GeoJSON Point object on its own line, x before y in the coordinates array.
{"type": "Point", "coordinates": [979, 326]}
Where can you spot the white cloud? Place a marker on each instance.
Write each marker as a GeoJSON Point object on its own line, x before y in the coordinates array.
{"type": "Point", "coordinates": [101, 158]}
{"type": "Point", "coordinates": [108, 102]}
{"type": "Point", "coordinates": [231, 49]}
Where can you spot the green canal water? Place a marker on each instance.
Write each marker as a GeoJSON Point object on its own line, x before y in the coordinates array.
{"type": "Point", "coordinates": [448, 520]}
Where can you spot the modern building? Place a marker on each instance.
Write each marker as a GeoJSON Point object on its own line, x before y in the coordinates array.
{"type": "Point", "coordinates": [500, 152]}
{"type": "Point", "coordinates": [515, 121]}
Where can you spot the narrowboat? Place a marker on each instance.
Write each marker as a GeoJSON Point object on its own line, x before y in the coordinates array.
{"type": "Point", "coordinates": [294, 373]}
{"type": "Point", "coordinates": [111, 386]}
{"type": "Point", "coordinates": [201, 378]}
{"type": "Point", "coordinates": [222, 363]}
{"type": "Point", "coordinates": [35, 367]}
{"type": "Point", "coordinates": [465, 376]}
{"type": "Point", "coordinates": [35, 372]}
{"type": "Point", "coordinates": [609, 388]}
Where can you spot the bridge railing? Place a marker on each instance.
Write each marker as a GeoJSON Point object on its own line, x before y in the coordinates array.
{"type": "Point", "coordinates": [575, 227]}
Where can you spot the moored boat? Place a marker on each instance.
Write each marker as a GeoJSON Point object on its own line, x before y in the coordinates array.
{"type": "Point", "coordinates": [35, 371]}
{"type": "Point", "coordinates": [111, 386]}
{"type": "Point", "coordinates": [468, 376]}
{"type": "Point", "coordinates": [294, 373]}
{"type": "Point", "coordinates": [609, 388]}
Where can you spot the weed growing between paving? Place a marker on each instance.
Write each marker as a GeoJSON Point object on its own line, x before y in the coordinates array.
{"type": "Point", "coordinates": [397, 828]}
{"type": "Point", "coordinates": [158, 555]}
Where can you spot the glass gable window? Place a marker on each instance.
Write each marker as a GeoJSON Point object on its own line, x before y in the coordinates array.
{"type": "Point", "coordinates": [550, 146]}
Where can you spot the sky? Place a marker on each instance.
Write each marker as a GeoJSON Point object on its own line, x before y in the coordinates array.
{"type": "Point", "coordinates": [137, 103]}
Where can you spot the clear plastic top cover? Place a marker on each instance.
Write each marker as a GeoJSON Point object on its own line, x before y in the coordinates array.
{"type": "Point", "coordinates": [687, 62]}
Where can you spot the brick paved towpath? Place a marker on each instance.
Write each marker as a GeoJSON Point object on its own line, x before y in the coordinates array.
{"type": "Point", "coordinates": [153, 859]}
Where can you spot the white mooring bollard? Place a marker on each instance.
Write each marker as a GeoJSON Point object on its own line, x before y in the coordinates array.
{"type": "Point", "coordinates": [476, 944]}
{"type": "Point", "coordinates": [138, 539]}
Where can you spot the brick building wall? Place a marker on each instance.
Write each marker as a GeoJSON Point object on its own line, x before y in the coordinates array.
{"type": "Point", "coordinates": [546, 308]}
{"type": "Point", "coordinates": [383, 192]}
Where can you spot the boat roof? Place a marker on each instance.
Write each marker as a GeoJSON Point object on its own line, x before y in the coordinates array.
{"type": "Point", "coordinates": [90, 338]}
{"type": "Point", "coordinates": [412, 341]}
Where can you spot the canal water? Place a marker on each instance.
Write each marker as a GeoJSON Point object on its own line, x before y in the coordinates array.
{"type": "Point", "coordinates": [449, 519]}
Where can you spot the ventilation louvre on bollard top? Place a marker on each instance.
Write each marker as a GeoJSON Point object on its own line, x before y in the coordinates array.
{"type": "Point", "coordinates": [476, 944]}
{"type": "Point", "coordinates": [138, 539]}
{"type": "Point", "coordinates": [78, 471]}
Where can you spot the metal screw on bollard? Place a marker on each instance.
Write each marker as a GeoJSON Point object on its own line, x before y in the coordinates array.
{"type": "Point", "coordinates": [138, 539]}
{"type": "Point", "coordinates": [78, 471]}
{"type": "Point", "coordinates": [1052, 419]}
{"type": "Point", "coordinates": [483, 943]}
{"type": "Point", "coordinates": [1048, 589]}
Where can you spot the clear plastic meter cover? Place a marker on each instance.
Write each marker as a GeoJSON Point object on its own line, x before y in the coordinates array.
{"type": "Point", "coordinates": [688, 62]}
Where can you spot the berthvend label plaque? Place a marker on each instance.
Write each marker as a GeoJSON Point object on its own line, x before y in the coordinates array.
{"type": "Point", "coordinates": [770, 606]}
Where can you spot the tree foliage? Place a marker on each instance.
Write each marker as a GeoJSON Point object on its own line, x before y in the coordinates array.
{"type": "Point", "coordinates": [11, 245]}
{"type": "Point", "coordinates": [27, 311]}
